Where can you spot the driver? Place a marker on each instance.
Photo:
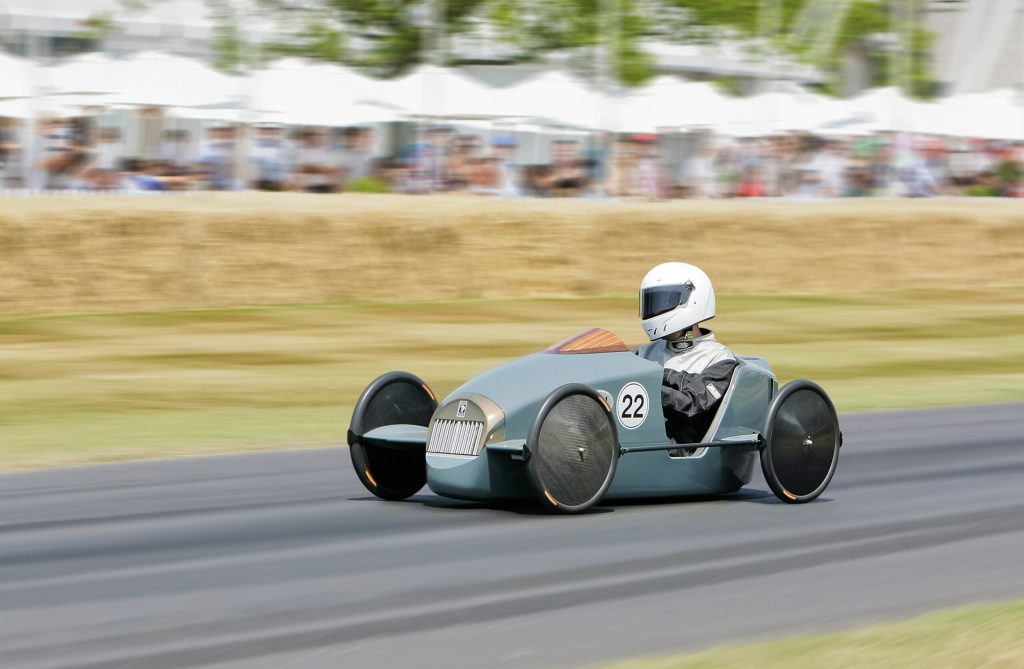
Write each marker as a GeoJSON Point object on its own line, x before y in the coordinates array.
{"type": "Point", "coordinates": [675, 298]}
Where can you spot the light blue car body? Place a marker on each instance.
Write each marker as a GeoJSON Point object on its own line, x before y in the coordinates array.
{"type": "Point", "coordinates": [519, 388]}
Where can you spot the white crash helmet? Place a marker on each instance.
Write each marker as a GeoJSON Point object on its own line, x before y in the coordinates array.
{"type": "Point", "coordinates": [675, 296]}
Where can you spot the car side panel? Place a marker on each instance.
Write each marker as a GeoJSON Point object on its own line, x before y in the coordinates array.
{"type": "Point", "coordinates": [520, 386]}
{"type": "Point", "coordinates": [717, 470]}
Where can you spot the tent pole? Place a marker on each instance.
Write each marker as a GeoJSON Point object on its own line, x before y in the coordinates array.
{"type": "Point", "coordinates": [439, 52]}
{"type": "Point", "coordinates": [895, 81]}
{"type": "Point", "coordinates": [32, 140]}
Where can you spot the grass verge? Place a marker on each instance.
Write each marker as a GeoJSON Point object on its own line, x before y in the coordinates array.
{"type": "Point", "coordinates": [80, 389]}
{"type": "Point", "coordinates": [981, 636]}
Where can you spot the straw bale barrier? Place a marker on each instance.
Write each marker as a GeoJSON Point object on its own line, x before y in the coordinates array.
{"type": "Point", "coordinates": [63, 254]}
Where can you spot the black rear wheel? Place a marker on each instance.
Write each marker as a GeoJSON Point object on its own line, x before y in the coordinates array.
{"type": "Point", "coordinates": [574, 450]}
{"type": "Point", "coordinates": [391, 472]}
{"type": "Point", "coordinates": [802, 441]}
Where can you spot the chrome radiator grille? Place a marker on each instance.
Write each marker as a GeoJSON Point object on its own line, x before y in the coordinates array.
{"type": "Point", "coordinates": [456, 437]}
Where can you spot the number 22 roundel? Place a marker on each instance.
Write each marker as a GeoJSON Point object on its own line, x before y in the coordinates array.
{"type": "Point", "coordinates": [631, 406]}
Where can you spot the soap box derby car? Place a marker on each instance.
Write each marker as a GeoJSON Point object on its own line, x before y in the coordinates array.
{"type": "Point", "coordinates": [552, 427]}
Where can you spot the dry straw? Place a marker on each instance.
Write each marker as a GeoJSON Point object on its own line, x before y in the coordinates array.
{"type": "Point", "coordinates": [213, 250]}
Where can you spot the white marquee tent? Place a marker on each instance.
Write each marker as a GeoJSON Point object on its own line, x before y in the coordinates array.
{"type": "Point", "coordinates": [157, 79]}
{"type": "Point", "coordinates": [147, 79]}
{"type": "Point", "coordinates": [668, 103]}
{"type": "Point", "coordinates": [16, 80]}
{"type": "Point", "coordinates": [787, 111]}
{"type": "Point", "coordinates": [559, 99]}
{"type": "Point", "coordinates": [431, 91]}
{"type": "Point", "coordinates": [995, 114]}
{"type": "Point", "coordinates": [86, 73]}
{"type": "Point", "coordinates": [295, 92]}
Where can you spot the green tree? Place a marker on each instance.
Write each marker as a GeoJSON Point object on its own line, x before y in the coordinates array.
{"type": "Point", "coordinates": [390, 36]}
{"type": "Point", "coordinates": [608, 30]}
{"type": "Point", "coordinates": [386, 36]}
{"type": "Point", "coordinates": [230, 50]}
{"type": "Point", "coordinates": [98, 27]}
{"type": "Point", "coordinates": [863, 20]}
{"type": "Point", "coordinates": [315, 38]}
{"type": "Point", "coordinates": [398, 34]}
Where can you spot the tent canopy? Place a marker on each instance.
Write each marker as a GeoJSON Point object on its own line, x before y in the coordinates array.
{"type": "Point", "coordinates": [670, 103]}
{"type": "Point", "coordinates": [301, 92]}
{"type": "Point", "coordinates": [16, 80]}
{"type": "Point", "coordinates": [435, 91]}
{"type": "Point", "coordinates": [297, 92]}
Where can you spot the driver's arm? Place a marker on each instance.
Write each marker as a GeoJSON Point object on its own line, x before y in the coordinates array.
{"type": "Point", "coordinates": [687, 395]}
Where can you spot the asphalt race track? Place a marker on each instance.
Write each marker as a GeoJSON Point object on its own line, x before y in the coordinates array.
{"type": "Point", "coordinates": [283, 560]}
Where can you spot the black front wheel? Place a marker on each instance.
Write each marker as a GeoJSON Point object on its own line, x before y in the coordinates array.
{"type": "Point", "coordinates": [573, 450]}
{"type": "Point", "coordinates": [397, 398]}
{"type": "Point", "coordinates": [802, 441]}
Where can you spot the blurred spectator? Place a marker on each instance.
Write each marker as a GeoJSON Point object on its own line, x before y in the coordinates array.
{"type": "Point", "coordinates": [703, 181]}
{"type": "Point", "coordinates": [426, 163]}
{"type": "Point", "coordinates": [175, 151]}
{"type": "Point", "coordinates": [751, 185]}
{"type": "Point", "coordinates": [566, 176]}
{"type": "Point", "coordinates": [772, 167]}
{"type": "Point", "coordinates": [269, 158]}
{"type": "Point", "coordinates": [508, 177]}
{"type": "Point", "coordinates": [620, 169]}
{"type": "Point", "coordinates": [150, 175]}
{"type": "Point", "coordinates": [727, 168]}
{"type": "Point", "coordinates": [217, 159]}
{"type": "Point", "coordinates": [917, 179]}
{"type": "Point", "coordinates": [483, 175]}
{"type": "Point", "coordinates": [150, 130]}
{"type": "Point", "coordinates": [10, 152]}
{"type": "Point", "coordinates": [355, 161]}
{"type": "Point", "coordinates": [830, 165]}
{"type": "Point", "coordinates": [71, 153]}
{"type": "Point", "coordinates": [314, 168]}
{"type": "Point", "coordinates": [108, 150]}
{"type": "Point", "coordinates": [142, 175]}
{"type": "Point", "coordinates": [56, 152]}
{"type": "Point", "coordinates": [959, 163]}
{"type": "Point", "coordinates": [978, 160]}
{"type": "Point", "coordinates": [646, 174]}
{"type": "Point", "coordinates": [597, 163]}
{"type": "Point", "coordinates": [463, 162]}
{"type": "Point", "coordinates": [104, 169]}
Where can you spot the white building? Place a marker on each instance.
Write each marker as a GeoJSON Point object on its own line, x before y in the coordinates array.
{"type": "Point", "coordinates": [46, 29]}
{"type": "Point", "coordinates": [979, 44]}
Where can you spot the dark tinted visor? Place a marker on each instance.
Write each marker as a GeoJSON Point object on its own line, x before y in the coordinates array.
{"type": "Point", "coordinates": [659, 299]}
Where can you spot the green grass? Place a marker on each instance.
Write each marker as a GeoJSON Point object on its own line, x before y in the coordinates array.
{"type": "Point", "coordinates": [88, 388]}
{"type": "Point", "coordinates": [982, 636]}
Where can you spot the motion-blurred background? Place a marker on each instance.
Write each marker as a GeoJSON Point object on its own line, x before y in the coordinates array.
{"type": "Point", "coordinates": [155, 296]}
{"type": "Point", "coordinates": [588, 98]}
{"type": "Point", "coordinates": [220, 219]}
